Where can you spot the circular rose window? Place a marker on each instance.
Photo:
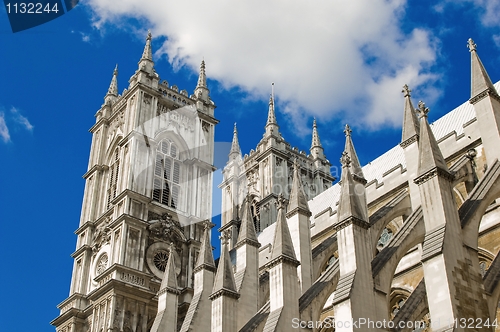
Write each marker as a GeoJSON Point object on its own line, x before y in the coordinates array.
{"type": "Point", "coordinates": [102, 264]}
{"type": "Point", "coordinates": [160, 259]}
{"type": "Point", "coordinates": [157, 257]}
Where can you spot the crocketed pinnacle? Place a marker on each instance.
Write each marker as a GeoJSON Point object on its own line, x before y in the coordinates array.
{"type": "Point", "coordinates": [206, 257]}
{"type": "Point", "coordinates": [282, 242]}
{"type": "Point", "coordinates": [170, 277]}
{"type": "Point", "coordinates": [430, 156]}
{"type": "Point", "coordinates": [235, 145]}
{"type": "Point", "coordinates": [247, 228]}
{"type": "Point", "coordinates": [350, 203]}
{"type": "Point", "coordinates": [298, 200]}
{"type": "Point", "coordinates": [224, 279]}
{"type": "Point", "coordinates": [316, 143]}
{"type": "Point", "coordinates": [202, 79]}
{"type": "Point", "coordinates": [271, 116]}
{"type": "Point", "coordinates": [148, 52]}
{"type": "Point", "coordinates": [411, 126]}
{"type": "Point", "coordinates": [355, 166]}
{"type": "Point", "coordinates": [480, 80]}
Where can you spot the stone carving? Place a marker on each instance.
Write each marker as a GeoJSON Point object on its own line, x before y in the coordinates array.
{"type": "Point", "coordinates": [166, 228]}
{"type": "Point", "coordinates": [101, 237]}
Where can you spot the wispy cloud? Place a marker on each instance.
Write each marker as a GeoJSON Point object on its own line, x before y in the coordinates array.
{"type": "Point", "coordinates": [4, 130]}
{"type": "Point", "coordinates": [13, 120]}
{"type": "Point", "coordinates": [21, 119]}
{"type": "Point", "coordinates": [328, 58]}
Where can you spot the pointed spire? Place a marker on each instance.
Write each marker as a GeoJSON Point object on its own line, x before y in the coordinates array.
{"type": "Point", "coordinates": [430, 156]}
{"type": "Point", "coordinates": [271, 116]}
{"type": "Point", "coordinates": [202, 79]}
{"type": "Point", "coordinates": [315, 137]}
{"type": "Point", "coordinates": [480, 81]}
{"type": "Point", "coordinates": [411, 126]}
{"type": "Point", "coordinates": [355, 166]}
{"type": "Point", "coordinates": [298, 200]}
{"type": "Point", "coordinates": [113, 87]}
{"type": "Point", "coordinates": [235, 145]}
{"type": "Point", "coordinates": [148, 52]}
{"type": "Point", "coordinates": [224, 279]}
{"type": "Point", "coordinates": [170, 278]}
{"type": "Point", "coordinates": [206, 257]}
{"type": "Point", "coordinates": [247, 228]}
{"type": "Point", "coordinates": [350, 203]}
{"type": "Point", "coordinates": [282, 242]}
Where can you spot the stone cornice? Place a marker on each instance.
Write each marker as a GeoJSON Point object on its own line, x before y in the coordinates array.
{"type": "Point", "coordinates": [169, 290]}
{"type": "Point", "coordinates": [409, 141]}
{"type": "Point", "coordinates": [232, 222]}
{"type": "Point", "coordinates": [351, 221]}
{"type": "Point", "coordinates": [248, 242]}
{"type": "Point", "coordinates": [81, 250]}
{"type": "Point", "coordinates": [488, 92]}
{"type": "Point", "coordinates": [282, 259]}
{"type": "Point", "coordinates": [304, 212]}
{"type": "Point", "coordinates": [204, 266]}
{"type": "Point", "coordinates": [224, 292]}
{"type": "Point", "coordinates": [102, 121]}
{"type": "Point", "coordinates": [82, 228]}
{"type": "Point", "coordinates": [432, 173]}
{"type": "Point", "coordinates": [94, 169]}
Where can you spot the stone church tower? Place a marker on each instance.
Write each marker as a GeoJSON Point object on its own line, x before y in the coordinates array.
{"type": "Point", "coordinates": [149, 173]}
{"type": "Point", "coordinates": [408, 242]}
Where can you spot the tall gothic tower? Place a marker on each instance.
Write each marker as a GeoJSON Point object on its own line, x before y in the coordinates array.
{"type": "Point", "coordinates": [267, 172]}
{"type": "Point", "coordinates": [149, 172]}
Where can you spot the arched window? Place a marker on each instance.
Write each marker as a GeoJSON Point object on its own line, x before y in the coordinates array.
{"type": "Point", "coordinates": [113, 171]}
{"type": "Point", "coordinates": [167, 174]}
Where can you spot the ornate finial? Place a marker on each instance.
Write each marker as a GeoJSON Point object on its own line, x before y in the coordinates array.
{"type": "Point", "coordinates": [207, 225]}
{"type": "Point", "coordinates": [280, 202]}
{"type": "Point", "coordinates": [422, 109]}
{"type": "Point", "coordinates": [347, 130]}
{"type": "Point", "coordinates": [345, 160]}
{"type": "Point", "coordinates": [314, 123]}
{"type": "Point", "coordinates": [406, 91]}
{"type": "Point", "coordinates": [149, 35]}
{"type": "Point", "coordinates": [235, 131]}
{"type": "Point", "coordinates": [115, 72]}
{"type": "Point", "coordinates": [225, 236]}
{"type": "Point", "coordinates": [471, 45]}
{"type": "Point", "coordinates": [271, 99]}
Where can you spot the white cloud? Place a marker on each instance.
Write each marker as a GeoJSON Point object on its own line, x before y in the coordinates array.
{"type": "Point", "coordinates": [347, 58]}
{"type": "Point", "coordinates": [490, 9]}
{"type": "Point", "coordinates": [20, 119]}
{"type": "Point", "coordinates": [4, 130]}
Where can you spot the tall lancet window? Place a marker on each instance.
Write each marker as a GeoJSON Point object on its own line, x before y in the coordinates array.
{"type": "Point", "coordinates": [167, 174]}
{"type": "Point", "coordinates": [113, 171]}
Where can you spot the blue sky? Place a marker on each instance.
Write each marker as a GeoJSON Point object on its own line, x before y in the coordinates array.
{"type": "Point", "coordinates": [337, 63]}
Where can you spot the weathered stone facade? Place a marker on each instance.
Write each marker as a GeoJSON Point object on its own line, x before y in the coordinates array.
{"type": "Point", "coordinates": [411, 237]}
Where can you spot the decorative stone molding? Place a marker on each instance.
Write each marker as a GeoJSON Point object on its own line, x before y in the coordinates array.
{"type": "Point", "coordinates": [102, 237]}
{"type": "Point", "coordinates": [351, 221]}
{"type": "Point", "coordinates": [484, 94]}
{"type": "Point", "coordinates": [164, 228]}
{"type": "Point", "coordinates": [409, 141]}
{"type": "Point", "coordinates": [432, 173]}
